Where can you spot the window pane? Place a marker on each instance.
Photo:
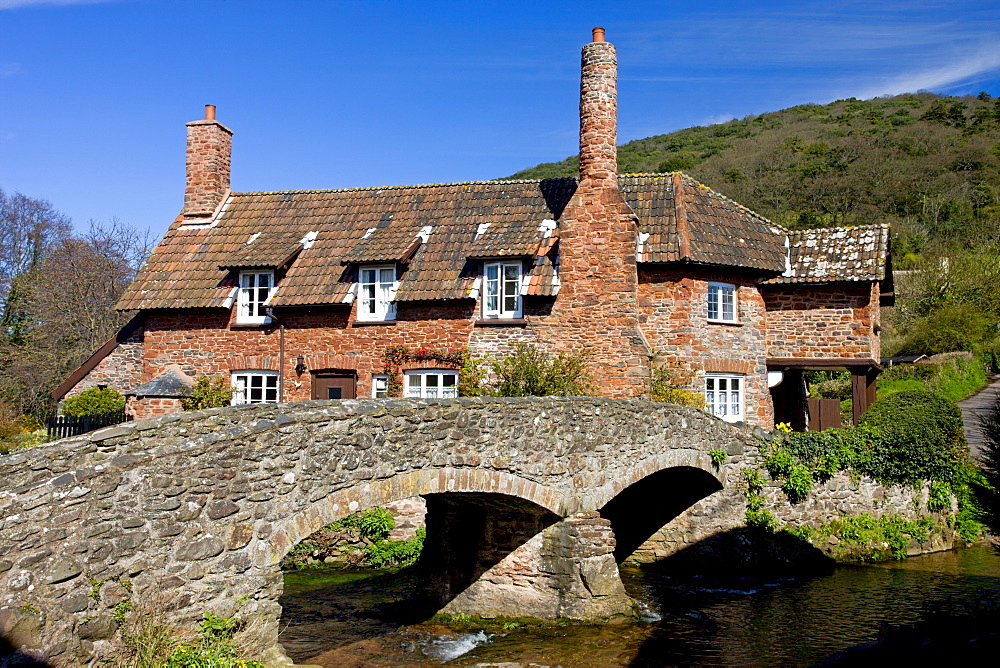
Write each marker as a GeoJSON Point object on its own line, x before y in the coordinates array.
{"type": "Point", "coordinates": [381, 389]}
{"type": "Point", "coordinates": [432, 380]}
{"type": "Point", "coordinates": [510, 272]}
{"type": "Point", "coordinates": [449, 380]}
{"type": "Point", "coordinates": [492, 272]}
{"type": "Point", "coordinates": [264, 280]}
{"type": "Point", "coordinates": [414, 380]}
{"type": "Point", "coordinates": [387, 275]}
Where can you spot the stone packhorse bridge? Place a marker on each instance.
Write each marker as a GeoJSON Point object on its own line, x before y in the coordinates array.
{"type": "Point", "coordinates": [193, 512]}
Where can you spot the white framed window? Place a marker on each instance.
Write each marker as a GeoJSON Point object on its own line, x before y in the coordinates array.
{"type": "Point", "coordinates": [722, 302]}
{"type": "Point", "coordinates": [431, 384]}
{"type": "Point", "coordinates": [376, 292]}
{"type": "Point", "coordinates": [255, 387]}
{"type": "Point", "coordinates": [380, 387]}
{"type": "Point", "coordinates": [724, 395]}
{"type": "Point", "coordinates": [502, 290]}
{"type": "Point", "coordinates": [256, 288]}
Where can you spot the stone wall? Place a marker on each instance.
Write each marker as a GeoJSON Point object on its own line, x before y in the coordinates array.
{"type": "Point", "coordinates": [696, 528]}
{"type": "Point", "coordinates": [823, 321]}
{"type": "Point", "coordinates": [195, 510]}
{"type": "Point", "coordinates": [121, 370]}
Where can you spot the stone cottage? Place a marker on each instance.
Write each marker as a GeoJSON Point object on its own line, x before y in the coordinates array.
{"type": "Point", "coordinates": [295, 295]}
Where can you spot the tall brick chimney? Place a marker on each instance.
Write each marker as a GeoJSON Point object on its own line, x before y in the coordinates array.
{"type": "Point", "coordinates": [599, 113]}
{"type": "Point", "coordinates": [597, 306]}
{"type": "Point", "coordinates": [209, 151]}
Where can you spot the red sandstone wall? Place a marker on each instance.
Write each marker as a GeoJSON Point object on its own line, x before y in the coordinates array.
{"type": "Point", "coordinates": [823, 321]}
{"type": "Point", "coordinates": [144, 407]}
{"type": "Point", "coordinates": [209, 151]}
{"type": "Point", "coordinates": [205, 342]}
{"type": "Point", "coordinates": [674, 318]}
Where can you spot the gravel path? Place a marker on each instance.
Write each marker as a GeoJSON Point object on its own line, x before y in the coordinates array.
{"type": "Point", "coordinates": [978, 404]}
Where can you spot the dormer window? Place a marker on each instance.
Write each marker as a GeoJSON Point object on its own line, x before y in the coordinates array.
{"type": "Point", "coordinates": [376, 292]}
{"type": "Point", "coordinates": [256, 288]}
{"type": "Point", "coordinates": [722, 302]}
{"type": "Point", "coordinates": [502, 290]}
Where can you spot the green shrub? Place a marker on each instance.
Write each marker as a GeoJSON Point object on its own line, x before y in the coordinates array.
{"type": "Point", "coordinates": [208, 392]}
{"type": "Point", "coordinates": [670, 386]}
{"type": "Point", "coordinates": [920, 437]}
{"type": "Point", "coordinates": [799, 483]}
{"type": "Point", "coordinates": [95, 401]}
{"type": "Point", "coordinates": [779, 463]}
{"type": "Point", "coordinates": [954, 326]}
{"type": "Point", "coordinates": [399, 553]}
{"type": "Point", "coordinates": [531, 372]}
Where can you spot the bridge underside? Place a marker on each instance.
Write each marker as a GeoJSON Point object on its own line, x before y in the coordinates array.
{"type": "Point", "coordinates": [497, 556]}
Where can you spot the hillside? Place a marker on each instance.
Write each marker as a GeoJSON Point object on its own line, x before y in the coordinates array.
{"type": "Point", "coordinates": [926, 164]}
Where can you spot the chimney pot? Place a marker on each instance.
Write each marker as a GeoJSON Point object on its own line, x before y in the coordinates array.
{"type": "Point", "coordinates": [598, 34]}
{"type": "Point", "coordinates": [209, 112]}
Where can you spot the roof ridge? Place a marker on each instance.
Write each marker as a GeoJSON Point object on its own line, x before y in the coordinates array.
{"type": "Point", "coordinates": [405, 185]}
{"type": "Point", "coordinates": [866, 226]}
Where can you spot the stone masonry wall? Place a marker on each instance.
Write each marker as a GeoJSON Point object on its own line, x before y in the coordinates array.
{"type": "Point", "coordinates": [121, 370]}
{"type": "Point", "coordinates": [674, 308]}
{"type": "Point", "coordinates": [824, 321]}
{"type": "Point", "coordinates": [195, 510]}
{"type": "Point", "coordinates": [726, 510]}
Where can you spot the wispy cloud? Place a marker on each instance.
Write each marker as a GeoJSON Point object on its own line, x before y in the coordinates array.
{"type": "Point", "coordinates": [13, 4]}
{"type": "Point", "coordinates": [828, 51]}
{"type": "Point", "coordinates": [716, 119]}
{"type": "Point", "coordinates": [964, 69]}
{"type": "Point", "coordinates": [10, 69]}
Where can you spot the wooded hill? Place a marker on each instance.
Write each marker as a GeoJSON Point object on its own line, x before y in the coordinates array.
{"type": "Point", "coordinates": [926, 164]}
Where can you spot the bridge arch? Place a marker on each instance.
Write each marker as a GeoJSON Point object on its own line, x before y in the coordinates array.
{"type": "Point", "coordinates": [362, 496]}
{"type": "Point", "coordinates": [205, 504]}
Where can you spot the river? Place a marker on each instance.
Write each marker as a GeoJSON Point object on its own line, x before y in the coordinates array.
{"type": "Point", "coordinates": [338, 618]}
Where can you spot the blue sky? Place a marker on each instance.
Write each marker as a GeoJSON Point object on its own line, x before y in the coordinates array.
{"type": "Point", "coordinates": [94, 94]}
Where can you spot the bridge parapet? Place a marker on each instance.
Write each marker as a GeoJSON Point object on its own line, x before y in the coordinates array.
{"type": "Point", "coordinates": [183, 504]}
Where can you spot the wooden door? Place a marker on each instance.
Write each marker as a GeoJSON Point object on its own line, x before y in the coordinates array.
{"type": "Point", "coordinates": [334, 385]}
{"type": "Point", "coordinates": [824, 414]}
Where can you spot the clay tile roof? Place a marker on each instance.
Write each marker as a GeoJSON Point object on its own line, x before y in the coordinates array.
{"type": "Point", "coordinates": [837, 254]}
{"type": "Point", "coordinates": [687, 221]}
{"type": "Point", "coordinates": [263, 249]}
{"type": "Point", "coordinates": [195, 265]}
{"type": "Point", "coordinates": [390, 243]}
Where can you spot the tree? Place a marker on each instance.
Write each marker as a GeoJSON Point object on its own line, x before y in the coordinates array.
{"type": "Point", "coordinates": [58, 292]}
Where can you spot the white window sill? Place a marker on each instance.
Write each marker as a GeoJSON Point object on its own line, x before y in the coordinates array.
{"type": "Point", "coordinates": [262, 322]}
{"type": "Point", "coordinates": [366, 323]}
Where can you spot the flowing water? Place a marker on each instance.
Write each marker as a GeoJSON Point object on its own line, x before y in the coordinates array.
{"type": "Point", "coordinates": [335, 618]}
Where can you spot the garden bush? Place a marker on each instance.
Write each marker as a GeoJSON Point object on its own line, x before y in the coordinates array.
{"type": "Point", "coordinates": [208, 392]}
{"type": "Point", "coordinates": [531, 372]}
{"type": "Point", "coordinates": [95, 401]}
{"type": "Point", "coordinates": [917, 435]}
